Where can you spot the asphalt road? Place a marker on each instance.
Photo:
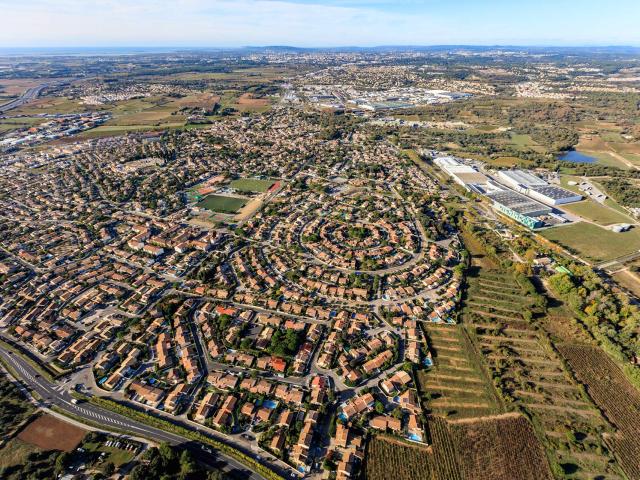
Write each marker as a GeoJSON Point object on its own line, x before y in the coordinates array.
{"type": "Point", "coordinates": [27, 96]}
{"type": "Point", "coordinates": [58, 395]}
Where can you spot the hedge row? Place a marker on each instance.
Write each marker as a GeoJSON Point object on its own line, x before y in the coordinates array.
{"type": "Point", "coordinates": [166, 425]}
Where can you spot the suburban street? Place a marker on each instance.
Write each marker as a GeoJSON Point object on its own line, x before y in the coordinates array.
{"type": "Point", "coordinates": [58, 396]}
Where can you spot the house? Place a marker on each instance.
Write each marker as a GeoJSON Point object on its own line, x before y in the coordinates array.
{"type": "Point", "coordinates": [385, 422]}
{"type": "Point", "coordinates": [278, 442]}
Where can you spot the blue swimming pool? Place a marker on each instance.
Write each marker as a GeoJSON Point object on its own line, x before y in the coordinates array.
{"type": "Point", "coordinates": [270, 404]}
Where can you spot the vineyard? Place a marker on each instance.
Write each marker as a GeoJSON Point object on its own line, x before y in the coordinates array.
{"type": "Point", "coordinates": [618, 399]}
{"type": "Point", "coordinates": [502, 314]}
{"type": "Point", "coordinates": [447, 463]}
{"type": "Point", "coordinates": [387, 458]}
{"type": "Point", "coordinates": [502, 447]}
{"type": "Point", "coordinates": [499, 448]}
{"type": "Point", "coordinates": [456, 385]}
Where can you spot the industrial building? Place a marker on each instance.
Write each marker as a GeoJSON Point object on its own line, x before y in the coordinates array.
{"type": "Point", "coordinates": [463, 174]}
{"type": "Point", "coordinates": [520, 195]}
{"type": "Point", "coordinates": [528, 184]}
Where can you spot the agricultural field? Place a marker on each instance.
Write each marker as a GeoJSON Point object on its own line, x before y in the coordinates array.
{"type": "Point", "coordinates": [597, 213]}
{"type": "Point", "coordinates": [502, 447]}
{"type": "Point", "coordinates": [594, 243]}
{"type": "Point", "coordinates": [387, 457]}
{"type": "Point", "coordinates": [614, 395]}
{"type": "Point", "coordinates": [49, 433]}
{"type": "Point", "coordinates": [248, 103]}
{"type": "Point", "coordinates": [500, 315]}
{"type": "Point", "coordinates": [256, 185]}
{"type": "Point", "coordinates": [222, 204]}
{"type": "Point", "coordinates": [455, 386]}
{"type": "Point", "coordinates": [499, 448]}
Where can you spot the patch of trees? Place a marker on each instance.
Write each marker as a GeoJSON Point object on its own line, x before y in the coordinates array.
{"type": "Point", "coordinates": [170, 463]}
{"type": "Point", "coordinates": [13, 406]}
{"type": "Point", "coordinates": [611, 319]}
{"type": "Point", "coordinates": [623, 192]}
{"type": "Point", "coordinates": [555, 138]}
{"type": "Point", "coordinates": [285, 344]}
{"type": "Point", "coordinates": [37, 465]}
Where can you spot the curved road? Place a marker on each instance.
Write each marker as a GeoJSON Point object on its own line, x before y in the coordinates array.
{"type": "Point", "coordinates": [27, 96]}
{"type": "Point", "coordinates": [57, 395]}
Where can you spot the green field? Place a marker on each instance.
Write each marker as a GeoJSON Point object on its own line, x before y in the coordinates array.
{"type": "Point", "coordinates": [251, 185]}
{"type": "Point", "coordinates": [219, 203]}
{"type": "Point", "coordinates": [596, 213]}
{"type": "Point", "coordinates": [114, 455]}
{"type": "Point", "coordinates": [594, 243]}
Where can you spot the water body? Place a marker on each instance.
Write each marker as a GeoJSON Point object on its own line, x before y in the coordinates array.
{"type": "Point", "coordinates": [575, 156]}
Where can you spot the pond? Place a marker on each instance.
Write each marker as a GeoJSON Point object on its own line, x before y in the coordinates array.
{"type": "Point", "coordinates": [578, 157]}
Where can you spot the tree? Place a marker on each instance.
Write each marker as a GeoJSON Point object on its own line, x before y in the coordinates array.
{"type": "Point", "coordinates": [62, 460]}
{"type": "Point", "coordinates": [379, 407]}
{"type": "Point", "coordinates": [109, 469]}
{"type": "Point", "coordinates": [216, 475]}
{"type": "Point", "coordinates": [187, 464]}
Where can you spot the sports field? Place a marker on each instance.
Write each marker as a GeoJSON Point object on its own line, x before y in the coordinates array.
{"type": "Point", "coordinates": [594, 243]}
{"type": "Point", "coordinates": [251, 185]}
{"type": "Point", "coordinates": [222, 204]}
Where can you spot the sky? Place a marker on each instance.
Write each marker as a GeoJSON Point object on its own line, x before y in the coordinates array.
{"type": "Point", "coordinates": [317, 23]}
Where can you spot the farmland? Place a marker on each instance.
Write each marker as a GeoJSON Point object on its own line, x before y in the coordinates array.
{"type": "Point", "coordinates": [594, 243]}
{"type": "Point", "coordinates": [251, 185]}
{"type": "Point", "coordinates": [456, 386]}
{"type": "Point", "coordinates": [49, 433]}
{"type": "Point", "coordinates": [499, 448]}
{"type": "Point", "coordinates": [222, 204]}
{"type": "Point", "coordinates": [500, 312]}
{"type": "Point", "coordinates": [483, 448]}
{"type": "Point", "coordinates": [388, 458]}
{"type": "Point", "coordinates": [614, 395]}
{"type": "Point", "coordinates": [597, 213]}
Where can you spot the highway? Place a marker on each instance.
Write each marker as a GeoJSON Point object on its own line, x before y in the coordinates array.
{"type": "Point", "coordinates": [58, 395]}
{"type": "Point", "coordinates": [27, 96]}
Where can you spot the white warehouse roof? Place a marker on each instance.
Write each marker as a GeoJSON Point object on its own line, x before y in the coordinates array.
{"type": "Point", "coordinates": [520, 177]}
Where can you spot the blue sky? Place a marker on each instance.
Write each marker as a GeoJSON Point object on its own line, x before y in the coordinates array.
{"type": "Point", "coordinates": [56, 23]}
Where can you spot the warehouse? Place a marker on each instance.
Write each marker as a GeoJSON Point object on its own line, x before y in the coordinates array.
{"type": "Point", "coordinates": [519, 203]}
{"type": "Point", "coordinates": [533, 186]}
{"type": "Point", "coordinates": [552, 195]}
{"type": "Point", "coordinates": [519, 178]}
{"type": "Point", "coordinates": [463, 174]}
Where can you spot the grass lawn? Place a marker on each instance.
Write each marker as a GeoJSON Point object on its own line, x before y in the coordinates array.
{"type": "Point", "coordinates": [596, 213]}
{"type": "Point", "coordinates": [522, 140]}
{"type": "Point", "coordinates": [593, 242]}
{"type": "Point", "coordinates": [114, 455]}
{"type": "Point", "coordinates": [605, 158]}
{"type": "Point", "coordinates": [251, 185]}
{"type": "Point", "coordinates": [222, 204]}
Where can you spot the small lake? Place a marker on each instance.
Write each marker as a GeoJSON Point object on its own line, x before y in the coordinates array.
{"type": "Point", "coordinates": [575, 156]}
